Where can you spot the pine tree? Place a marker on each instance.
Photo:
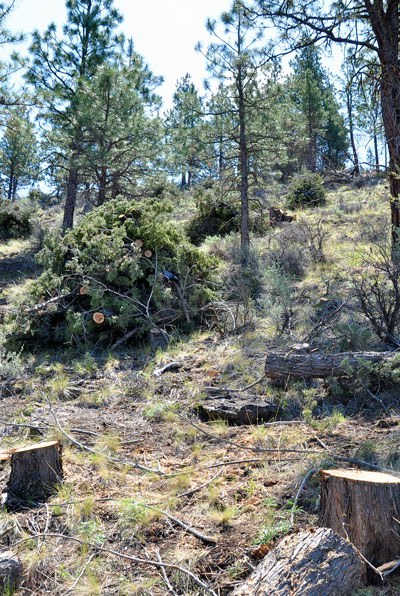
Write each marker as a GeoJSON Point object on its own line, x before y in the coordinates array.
{"type": "Point", "coordinates": [311, 91]}
{"type": "Point", "coordinates": [235, 59]}
{"type": "Point", "coordinates": [18, 152]}
{"type": "Point", "coordinates": [60, 66]}
{"type": "Point", "coordinates": [184, 123]}
{"type": "Point", "coordinates": [121, 133]}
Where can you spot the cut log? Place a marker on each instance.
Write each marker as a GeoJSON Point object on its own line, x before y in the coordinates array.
{"type": "Point", "coordinates": [98, 318]}
{"type": "Point", "coordinates": [284, 365]}
{"type": "Point", "coordinates": [10, 572]}
{"type": "Point", "coordinates": [238, 409]}
{"type": "Point", "coordinates": [363, 507]}
{"type": "Point", "coordinates": [35, 472]}
{"type": "Point", "coordinates": [319, 563]}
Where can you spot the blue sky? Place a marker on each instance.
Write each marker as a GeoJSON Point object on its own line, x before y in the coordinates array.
{"type": "Point", "coordinates": [164, 31]}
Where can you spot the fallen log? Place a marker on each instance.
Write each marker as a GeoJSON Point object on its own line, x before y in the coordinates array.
{"type": "Point", "coordinates": [307, 564]}
{"type": "Point", "coordinates": [282, 366]}
{"type": "Point", "coordinates": [238, 409]}
{"type": "Point", "coordinates": [36, 470]}
{"type": "Point", "coordinates": [363, 507]}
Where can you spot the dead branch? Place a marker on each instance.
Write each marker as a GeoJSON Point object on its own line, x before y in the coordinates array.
{"type": "Point", "coordinates": [305, 452]}
{"type": "Point", "coordinates": [165, 576]}
{"type": "Point", "coordinates": [186, 527]}
{"type": "Point", "coordinates": [47, 303]}
{"type": "Point", "coordinates": [76, 581]}
{"type": "Point", "coordinates": [114, 460]}
{"type": "Point", "coordinates": [170, 366]}
{"type": "Point", "coordinates": [139, 560]}
{"type": "Point", "coordinates": [302, 485]}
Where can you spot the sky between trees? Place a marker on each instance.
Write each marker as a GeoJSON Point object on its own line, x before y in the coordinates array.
{"type": "Point", "coordinates": [164, 31]}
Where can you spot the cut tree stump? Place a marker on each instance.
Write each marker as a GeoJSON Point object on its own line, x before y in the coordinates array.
{"type": "Point", "coordinates": [319, 563]}
{"type": "Point", "coordinates": [363, 507]}
{"type": "Point", "coordinates": [36, 470]}
{"type": "Point", "coordinates": [10, 572]}
{"type": "Point", "coordinates": [282, 366]}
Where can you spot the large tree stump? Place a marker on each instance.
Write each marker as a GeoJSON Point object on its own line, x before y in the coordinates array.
{"type": "Point", "coordinates": [35, 472]}
{"type": "Point", "coordinates": [282, 366]}
{"type": "Point", "coordinates": [319, 563]}
{"type": "Point", "coordinates": [10, 572]}
{"type": "Point", "coordinates": [363, 507]}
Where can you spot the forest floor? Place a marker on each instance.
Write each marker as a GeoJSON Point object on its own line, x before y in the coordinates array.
{"type": "Point", "coordinates": [147, 480]}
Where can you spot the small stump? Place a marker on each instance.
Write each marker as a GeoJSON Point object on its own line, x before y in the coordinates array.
{"type": "Point", "coordinates": [35, 472]}
{"type": "Point", "coordinates": [10, 572]}
{"type": "Point", "coordinates": [363, 507]}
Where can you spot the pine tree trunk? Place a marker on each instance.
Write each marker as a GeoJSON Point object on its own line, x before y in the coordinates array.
{"type": "Point", "coordinates": [35, 472]}
{"type": "Point", "coordinates": [376, 151]}
{"type": "Point", "coordinates": [10, 185]}
{"type": "Point", "coordinates": [316, 563]}
{"type": "Point", "coordinates": [363, 507]}
{"type": "Point", "coordinates": [14, 188]}
{"type": "Point", "coordinates": [351, 132]}
{"type": "Point", "coordinates": [244, 173]}
{"type": "Point", "coordinates": [70, 201]}
{"type": "Point", "coordinates": [102, 186]}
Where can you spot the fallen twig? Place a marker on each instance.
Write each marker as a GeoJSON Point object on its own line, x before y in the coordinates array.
{"type": "Point", "coordinates": [114, 460]}
{"type": "Point", "coordinates": [75, 582]}
{"type": "Point", "coordinates": [170, 366]}
{"type": "Point", "coordinates": [165, 576]}
{"type": "Point", "coordinates": [186, 527]}
{"type": "Point", "coordinates": [305, 452]}
{"type": "Point", "coordinates": [302, 485]}
{"type": "Point", "coordinates": [102, 549]}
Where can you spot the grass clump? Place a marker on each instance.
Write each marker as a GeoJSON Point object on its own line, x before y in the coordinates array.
{"type": "Point", "coordinates": [270, 532]}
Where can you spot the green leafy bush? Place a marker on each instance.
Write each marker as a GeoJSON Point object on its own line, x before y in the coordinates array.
{"type": "Point", "coordinates": [15, 223]}
{"type": "Point", "coordinates": [215, 217]}
{"type": "Point", "coordinates": [109, 276]}
{"type": "Point", "coordinates": [306, 191]}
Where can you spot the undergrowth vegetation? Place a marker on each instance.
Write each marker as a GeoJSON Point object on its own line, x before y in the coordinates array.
{"type": "Point", "coordinates": [125, 267]}
{"type": "Point", "coordinates": [145, 475]}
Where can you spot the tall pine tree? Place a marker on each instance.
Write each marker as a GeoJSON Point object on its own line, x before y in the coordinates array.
{"type": "Point", "coordinates": [60, 66]}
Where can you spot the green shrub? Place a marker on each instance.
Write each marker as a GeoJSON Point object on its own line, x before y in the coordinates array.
{"type": "Point", "coordinates": [112, 264]}
{"type": "Point", "coordinates": [306, 191]}
{"type": "Point", "coordinates": [15, 223]}
{"type": "Point", "coordinates": [215, 217]}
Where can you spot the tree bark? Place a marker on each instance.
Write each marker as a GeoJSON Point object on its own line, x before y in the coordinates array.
{"type": "Point", "coordinates": [10, 572]}
{"type": "Point", "coordinates": [363, 507]}
{"type": "Point", "coordinates": [102, 186]}
{"type": "Point", "coordinates": [385, 25]}
{"type": "Point", "coordinates": [282, 365]}
{"type": "Point", "coordinates": [307, 564]}
{"type": "Point", "coordinates": [349, 104]}
{"type": "Point", "coordinates": [35, 472]}
{"type": "Point", "coordinates": [70, 201]}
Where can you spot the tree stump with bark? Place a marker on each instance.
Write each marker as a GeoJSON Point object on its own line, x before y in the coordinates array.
{"type": "Point", "coordinates": [36, 470]}
{"type": "Point", "coordinates": [307, 564]}
{"type": "Point", "coordinates": [10, 572]}
{"type": "Point", "coordinates": [363, 507]}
